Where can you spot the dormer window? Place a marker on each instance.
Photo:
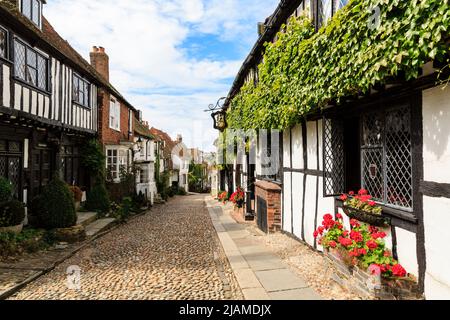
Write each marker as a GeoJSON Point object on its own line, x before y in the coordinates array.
{"type": "Point", "coordinates": [32, 9]}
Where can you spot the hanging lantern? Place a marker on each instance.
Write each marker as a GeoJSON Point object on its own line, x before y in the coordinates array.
{"type": "Point", "coordinates": [220, 121]}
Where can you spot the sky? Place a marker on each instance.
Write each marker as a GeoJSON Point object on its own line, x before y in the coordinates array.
{"type": "Point", "coordinates": [169, 58]}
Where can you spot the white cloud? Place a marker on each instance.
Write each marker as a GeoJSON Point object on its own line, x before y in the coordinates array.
{"type": "Point", "coordinates": [144, 39]}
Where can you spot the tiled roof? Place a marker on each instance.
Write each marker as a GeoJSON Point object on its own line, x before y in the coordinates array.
{"type": "Point", "coordinates": [49, 35]}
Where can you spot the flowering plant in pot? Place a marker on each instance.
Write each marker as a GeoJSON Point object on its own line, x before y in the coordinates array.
{"type": "Point", "coordinates": [238, 198]}
{"type": "Point", "coordinates": [361, 206]}
{"type": "Point", "coordinates": [223, 197]}
{"type": "Point", "coordinates": [362, 246]}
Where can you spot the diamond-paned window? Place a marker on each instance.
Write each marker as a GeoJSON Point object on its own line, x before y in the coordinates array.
{"type": "Point", "coordinates": [11, 164]}
{"type": "Point", "coordinates": [386, 157]}
{"type": "Point", "coordinates": [334, 166]}
{"type": "Point", "coordinates": [30, 66]}
{"type": "Point", "coordinates": [3, 43]}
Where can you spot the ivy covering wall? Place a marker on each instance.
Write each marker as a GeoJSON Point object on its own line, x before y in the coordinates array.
{"type": "Point", "coordinates": [304, 70]}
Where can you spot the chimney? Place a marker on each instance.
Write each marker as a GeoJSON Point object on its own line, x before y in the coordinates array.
{"type": "Point", "coordinates": [100, 61]}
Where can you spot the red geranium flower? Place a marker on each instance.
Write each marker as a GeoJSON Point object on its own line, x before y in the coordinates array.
{"type": "Point", "coordinates": [345, 233]}
{"type": "Point", "coordinates": [316, 234]}
{"type": "Point", "coordinates": [345, 241]}
{"type": "Point", "coordinates": [339, 216]}
{"type": "Point", "coordinates": [328, 217]}
{"type": "Point", "coordinates": [362, 252]}
{"type": "Point", "coordinates": [354, 223]}
{"type": "Point", "coordinates": [387, 254]}
{"type": "Point", "coordinates": [333, 244]}
{"type": "Point", "coordinates": [363, 192]}
{"type": "Point", "coordinates": [352, 193]}
{"type": "Point", "coordinates": [372, 203]}
{"type": "Point", "coordinates": [379, 235]}
{"type": "Point", "coordinates": [398, 271]}
{"type": "Point", "coordinates": [321, 230]}
{"type": "Point", "coordinates": [373, 229]}
{"type": "Point", "coordinates": [372, 245]}
{"type": "Point", "coordinates": [328, 224]}
{"type": "Point", "coordinates": [356, 236]}
{"type": "Point", "coordinates": [344, 197]}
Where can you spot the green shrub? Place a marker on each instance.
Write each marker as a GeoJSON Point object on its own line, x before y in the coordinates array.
{"type": "Point", "coordinates": [181, 192]}
{"type": "Point", "coordinates": [5, 190]}
{"type": "Point", "coordinates": [139, 201]}
{"type": "Point", "coordinates": [12, 213]}
{"type": "Point", "coordinates": [98, 199]}
{"type": "Point", "coordinates": [55, 207]}
{"type": "Point", "coordinates": [29, 241]}
{"type": "Point", "coordinates": [122, 212]}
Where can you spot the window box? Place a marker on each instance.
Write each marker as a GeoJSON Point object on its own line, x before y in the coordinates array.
{"type": "Point", "coordinates": [367, 217]}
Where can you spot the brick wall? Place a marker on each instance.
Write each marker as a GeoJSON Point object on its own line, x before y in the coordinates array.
{"type": "Point", "coordinates": [271, 193]}
{"type": "Point", "coordinates": [108, 135]}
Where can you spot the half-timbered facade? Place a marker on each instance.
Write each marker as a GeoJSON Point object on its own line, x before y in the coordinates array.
{"type": "Point", "coordinates": [392, 142]}
{"type": "Point", "coordinates": [48, 101]}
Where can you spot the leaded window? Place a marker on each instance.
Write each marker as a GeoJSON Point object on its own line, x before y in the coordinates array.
{"type": "Point", "coordinates": [325, 9]}
{"type": "Point", "coordinates": [333, 157]}
{"type": "Point", "coordinates": [386, 156]}
{"type": "Point", "coordinates": [30, 66]}
{"type": "Point", "coordinates": [11, 164]}
{"type": "Point", "coordinates": [32, 10]}
{"type": "Point", "coordinates": [71, 165]}
{"type": "Point", "coordinates": [81, 91]}
{"type": "Point", "coordinates": [3, 43]}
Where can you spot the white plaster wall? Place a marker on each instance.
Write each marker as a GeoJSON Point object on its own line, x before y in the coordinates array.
{"type": "Point", "coordinates": [325, 205]}
{"type": "Point", "coordinates": [437, 238]}
{"type": "Point", "coordinates": [407, 250]}
{"type": "Point", "coordinates": [286, 149]}
{"type": "Point", "coordinates": [310, 208]}
{"type": "Point", "coordinates": [297, 147]}
{"type": "Point", "coordinates": [297, 203]}
{"type": "Point", "coordinates": [287, 226]}
{"type": "Point", "coordinates": [436, 134]}
{"type": "Point", "coordinates": [311, 129]}
{"type": "Point", "coordinates": [6, 86]}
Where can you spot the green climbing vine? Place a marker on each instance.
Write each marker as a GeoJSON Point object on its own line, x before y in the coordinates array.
{"type": "Point", "coordinates": [303, 70]}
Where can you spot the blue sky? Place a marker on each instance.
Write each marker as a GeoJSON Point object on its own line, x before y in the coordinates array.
{"type": "Point", "coordinates": [170, 58]}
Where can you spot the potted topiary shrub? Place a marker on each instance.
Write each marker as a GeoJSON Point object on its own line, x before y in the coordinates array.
{"type": "Point", "coordinates": [55, 210]}
{"type": "Point", "coordinates": [12, 212]}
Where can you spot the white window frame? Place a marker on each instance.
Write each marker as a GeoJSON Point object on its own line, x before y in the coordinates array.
{"type": "Point", "coordinates": [114, 114]}
{"type": "Point", "coordinates": [121, 160]}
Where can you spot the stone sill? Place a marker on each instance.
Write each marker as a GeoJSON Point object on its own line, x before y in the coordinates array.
{"type": "Point", "coordinates": [268, 186]}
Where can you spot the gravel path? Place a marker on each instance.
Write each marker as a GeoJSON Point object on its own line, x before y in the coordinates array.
{"type": "Point", "coordinates": [170, 253]}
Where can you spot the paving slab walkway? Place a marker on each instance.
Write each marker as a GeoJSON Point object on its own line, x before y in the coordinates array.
{"type": "Point", "coordinates": [260, 273]}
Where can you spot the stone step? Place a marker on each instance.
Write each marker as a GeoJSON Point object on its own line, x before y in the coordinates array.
{"type": "Point", "coordinates": [86, 218]}
{"type": "Point", "coordinates": [98, 226]}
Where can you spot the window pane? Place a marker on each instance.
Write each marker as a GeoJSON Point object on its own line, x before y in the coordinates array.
{"type": "Point", "coordinates": [372, 173]}
{"type": "Point", "coordinates": [42, 73]}
{"type": "Point", "coordinates": [399, 158]}
{"type": "Point", "coordinates": [373, 130]}
{"type": "Point", "coordinates": [31, 75]}
{"type": "Point", "coordinates": [86, 94]}
{"type": "Point", "coordinates": [19, 60]}
{"type": "Point", "coordinates": [75, 88]}
{"type": "Point", "coordinates": [3, 43]}
{"type": "Point", "coordinates": [36, 12]}
{"type": "Point", "coordinates": [26, 8]}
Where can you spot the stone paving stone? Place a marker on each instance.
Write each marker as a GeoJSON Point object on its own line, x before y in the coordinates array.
{"type": "Point", "coordinates": [278, 280]}
{"type": "Point", "coordinates": [255, 294]}
{"type": "Point", "coordinates": [171, 253]}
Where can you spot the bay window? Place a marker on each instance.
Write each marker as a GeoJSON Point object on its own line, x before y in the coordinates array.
{"type": "Point", "coordinates": [30, 66]}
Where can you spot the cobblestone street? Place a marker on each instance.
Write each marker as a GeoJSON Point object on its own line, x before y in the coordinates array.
{"type": "Point", "coordinates": [172, 252]}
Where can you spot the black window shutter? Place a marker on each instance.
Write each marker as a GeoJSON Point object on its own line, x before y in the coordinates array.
{"type": "Point", "coordinates": [333, 157]}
